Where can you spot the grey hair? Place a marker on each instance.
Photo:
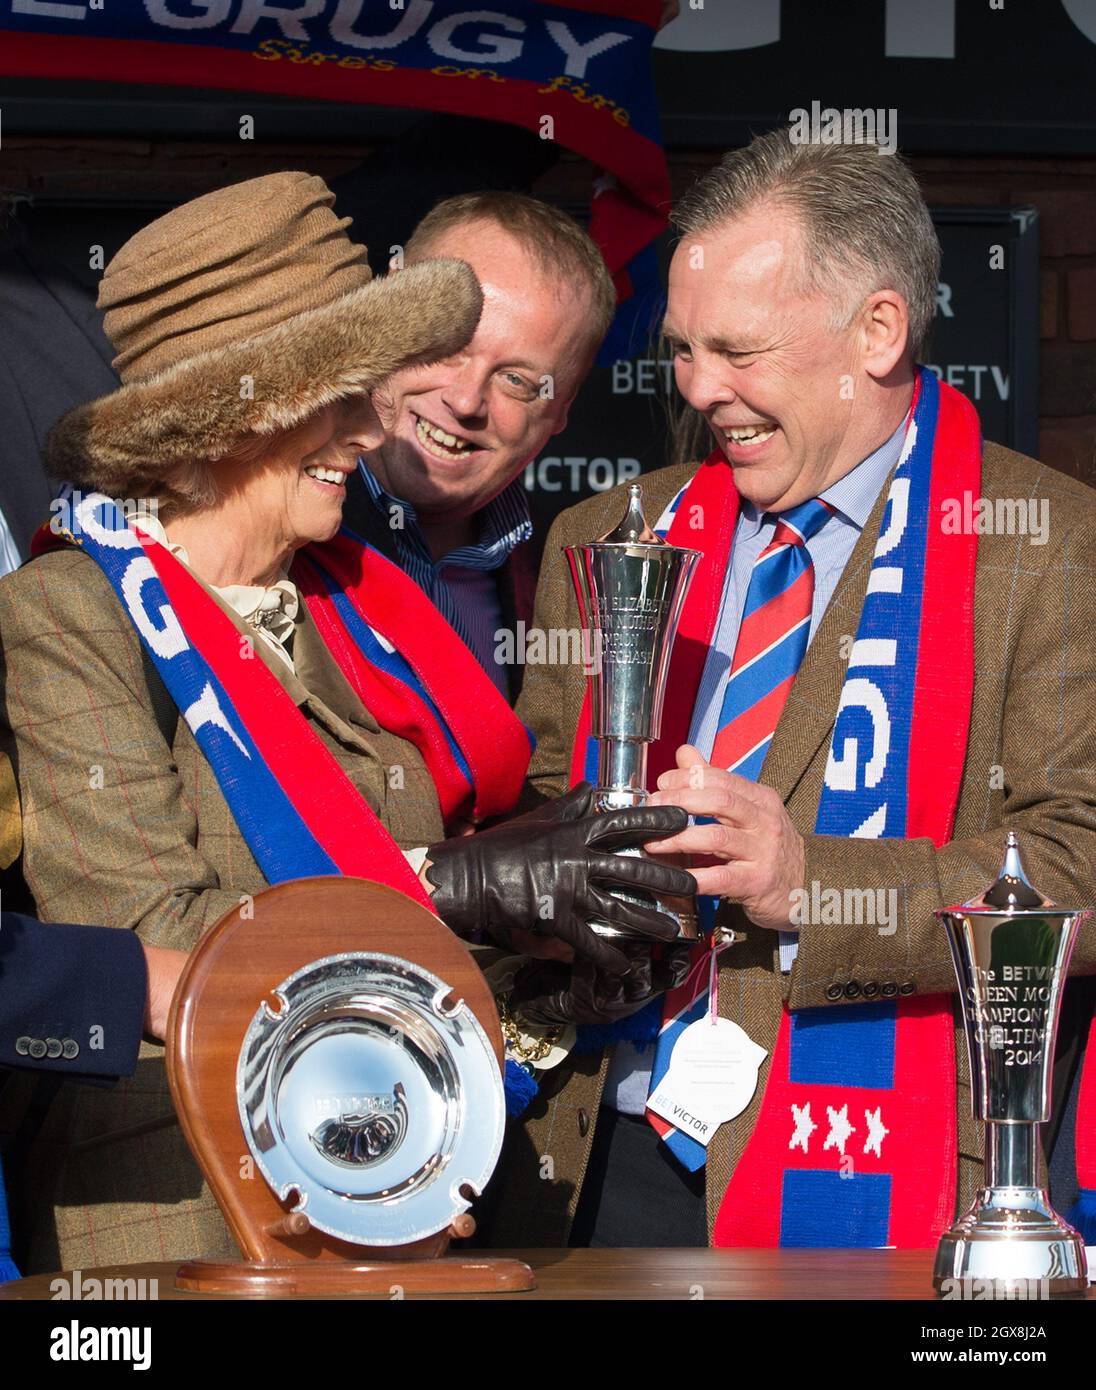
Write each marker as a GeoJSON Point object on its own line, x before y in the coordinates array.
{"type": "Point", "coordinates": [865, 224]}
{"type": "Point", "coordinates": [193, 486]}
{"type": "Point", "coordinates": [189, 487]}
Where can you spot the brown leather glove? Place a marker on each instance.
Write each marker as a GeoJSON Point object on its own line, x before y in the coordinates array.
{"type": "Point", "coordinates": [548, 992]}
{"type": "Point", "coordinates": [549, 873]}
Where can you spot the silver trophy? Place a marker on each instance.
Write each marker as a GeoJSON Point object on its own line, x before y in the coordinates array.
{"type": "Point", "coordinates": [370, 1098]}
{"type": "Point", "coordinates": [1011, 948]}
{"type": "Point", "coordinates": [344, 1103]}
{"type": "Point", "coordinates": [631, 587]}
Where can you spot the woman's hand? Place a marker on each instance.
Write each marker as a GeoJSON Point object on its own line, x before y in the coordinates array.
{"type": "Point", "coordinates": [549, 874]}
{"type": "Point", "coordinates": [164, 968]}
{"type": "Point", "coordinates": [547, 993]}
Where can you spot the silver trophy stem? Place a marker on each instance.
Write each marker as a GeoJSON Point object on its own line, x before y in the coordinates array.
{"type": "Point", "coordinates": [621, 773]}
{"type": "Point", "coordinates": [1011, 950]}
{"type": "Point", "coordinates": [1011, 1154]}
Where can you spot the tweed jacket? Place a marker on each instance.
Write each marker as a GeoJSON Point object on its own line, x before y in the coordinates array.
{"type": "Point", "coordinates": [1030, 765]}
{"type": "Point", "coordinates": [122, 830]}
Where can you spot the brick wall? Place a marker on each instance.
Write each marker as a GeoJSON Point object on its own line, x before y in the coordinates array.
{"type": "Point", "coordinates": [153, 170]}
{"type": "Point", "coordinates": [1063, 190]}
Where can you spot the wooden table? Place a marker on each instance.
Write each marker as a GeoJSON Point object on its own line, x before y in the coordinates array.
{"type": "Point", "coordinates": [652, 1274]}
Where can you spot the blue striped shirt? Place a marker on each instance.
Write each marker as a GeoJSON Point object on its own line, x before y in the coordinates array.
{"type": "Point", "coordinates": [461, 584]}
{"type": "Point", "coordinates": [10, 558]}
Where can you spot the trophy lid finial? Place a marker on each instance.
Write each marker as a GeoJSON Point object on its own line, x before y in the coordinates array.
{"type": "Point", "coordinates": [1012, 890]}
{"type": "Point", "coordinates": [632, 529]}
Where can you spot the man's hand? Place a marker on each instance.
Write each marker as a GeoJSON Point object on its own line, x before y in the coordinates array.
{"type": "Point", "coordinates": [753, 853]}
{"type": "Point", "coordinates": [164, 969]}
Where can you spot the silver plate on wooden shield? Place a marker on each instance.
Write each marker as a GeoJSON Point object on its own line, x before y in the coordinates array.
{"type": "Point", "coordinates": [371, 1100]}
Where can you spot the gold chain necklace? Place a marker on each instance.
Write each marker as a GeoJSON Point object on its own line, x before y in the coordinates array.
{"type": "Point", "coordinates": [518, 1044]}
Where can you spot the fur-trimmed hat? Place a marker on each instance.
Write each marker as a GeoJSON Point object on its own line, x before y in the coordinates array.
{"type": "Point", "coordinates": [242, 313]}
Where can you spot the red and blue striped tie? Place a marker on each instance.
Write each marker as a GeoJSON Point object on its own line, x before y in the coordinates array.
{"type": "Point", "coordinates": [776, 622]}
{"type": "Point", "coordinates": [772, 638]}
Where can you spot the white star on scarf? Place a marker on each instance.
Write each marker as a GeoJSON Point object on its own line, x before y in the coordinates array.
{"type": "Point", "coordinates": [804, 1126]}
{"type": "Point", "coordinates": [840, 1129]}
{"type": "Point", "coordinates": [877, 1131]}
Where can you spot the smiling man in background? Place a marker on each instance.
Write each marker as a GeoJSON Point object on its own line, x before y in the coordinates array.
{"type": "Point", "coordinates": [443, 495]}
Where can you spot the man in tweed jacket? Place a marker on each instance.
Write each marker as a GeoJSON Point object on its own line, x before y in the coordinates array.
{"type": "Point", "coordinates": [803, 370]}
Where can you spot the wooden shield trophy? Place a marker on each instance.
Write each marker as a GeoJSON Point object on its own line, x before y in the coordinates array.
{"type": "Point", "coordinates": [336, 1061]}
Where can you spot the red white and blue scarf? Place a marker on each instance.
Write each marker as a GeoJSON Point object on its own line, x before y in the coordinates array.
{"type": "Point", "coordinates": [876, 1081]}
{"type": "Point", "coordinates": [8, 1267]}
{"type": "Point", "coordinates": [1083, 1214]}
{"type": "Point", "coordinates": [296, 808]}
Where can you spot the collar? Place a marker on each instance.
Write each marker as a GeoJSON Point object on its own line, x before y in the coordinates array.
{"type": "Point", "coordinates": [504, 524]}
{"type": "Point", "coordinates": [855, 494]}
{"type": "Point", "coordinates": [271, 612]}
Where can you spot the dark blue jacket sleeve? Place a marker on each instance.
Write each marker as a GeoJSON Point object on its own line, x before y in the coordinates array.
{"type": "Point", "coordinates": [72, 999]}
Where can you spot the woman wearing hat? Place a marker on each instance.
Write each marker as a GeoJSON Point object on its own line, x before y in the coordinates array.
{"type": "Point", "coordinates": [209, 688]}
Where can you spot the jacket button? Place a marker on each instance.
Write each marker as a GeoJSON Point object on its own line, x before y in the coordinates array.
{"type": "Point", "coordinates": [906, 987]}
{"type": "Point", "coordinates": [22, 1046]}
{"type": "Point", "coordinates": [888, 990]}
{"type": "Point", "coordinates": [870, 990]}
{"type": "Point", "coordinates": [53, 1048]}
{"type": "Point", "coordinates": [70, 1048]}
{"type": "Point", "coordinates": [37, 1049]}
{"type": "Point", "coordinates": [834, 992]}
{"type": "Point", "coordinates": [584, 1122]}
{"type": "Point", "coordinates": [852, 989]}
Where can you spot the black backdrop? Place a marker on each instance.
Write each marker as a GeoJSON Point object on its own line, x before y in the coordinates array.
{"type": "Point", "coordinates": [970, 76]}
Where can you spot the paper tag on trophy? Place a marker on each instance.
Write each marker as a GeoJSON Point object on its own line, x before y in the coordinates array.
{"type": "Point", "coordinates": [711, 1079]}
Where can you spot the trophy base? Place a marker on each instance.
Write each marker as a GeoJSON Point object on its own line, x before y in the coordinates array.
{"type": "Point", "coordinates": [298, 1278]}
{"type": "Point", "coordinates": [1011, 1244]}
